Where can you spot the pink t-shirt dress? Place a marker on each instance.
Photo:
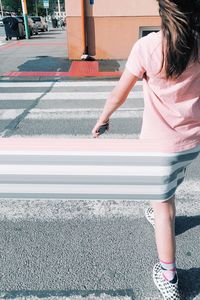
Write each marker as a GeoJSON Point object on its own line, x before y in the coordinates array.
{"type": "Point", "coordinates": [172, 107]}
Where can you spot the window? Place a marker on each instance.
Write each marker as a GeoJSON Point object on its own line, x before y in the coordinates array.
{"type": "Point", "coordinates": [145, 30]}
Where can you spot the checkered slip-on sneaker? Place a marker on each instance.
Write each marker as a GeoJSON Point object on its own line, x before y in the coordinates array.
{"type": "Point", "coordinates": [169, 291]}
{"type": "Point", "coordinates": [149, 214]}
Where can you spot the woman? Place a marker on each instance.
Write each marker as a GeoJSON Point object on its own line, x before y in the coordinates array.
{"type": "Point", "coordinates": [169, 64]}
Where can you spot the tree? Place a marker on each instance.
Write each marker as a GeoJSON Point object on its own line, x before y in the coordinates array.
{"type": "Point", "coordinates": [15, 5]}
{"type": "Point", "coordinates": [12, 5]}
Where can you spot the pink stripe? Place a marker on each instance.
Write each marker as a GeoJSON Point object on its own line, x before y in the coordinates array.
{"type": "Point", "coordinates": [168, 263]}
{"type": "Point", "coordinates": [70, 144]}
{"type": "Point", "coordinates": [6, 46]}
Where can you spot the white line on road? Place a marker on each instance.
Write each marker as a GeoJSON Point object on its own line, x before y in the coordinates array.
{"type": "Point", "coordinates": [64, 96]}
{"type": "Point", "coordinates": [81, 115]}
{"type": "Point", "coordinates": [54, 110]}
{"type": "Point", "coordinates": [62, 84]}
{"type": "Point", "coordinates": [53, 114]}
{"type": "Point", "coordinates": [6, 114]}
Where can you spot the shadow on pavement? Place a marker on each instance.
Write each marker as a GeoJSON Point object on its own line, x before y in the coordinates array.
{"type": "Point", "coordinates": [111, 65]}
{"type": "Point", "coordinates": [184, 223]}
{"type": "Point", "coordinates": [67, 293]}
{"type": "Point", "coordinates": [45, 64]}
{"type": "Point", "coordinates": [41, 37]}
{"type": "Point", "coordinates": [189, 282]}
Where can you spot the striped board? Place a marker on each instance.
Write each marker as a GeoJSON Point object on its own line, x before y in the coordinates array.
{"type": "Point", "coordinates": [117, 169]}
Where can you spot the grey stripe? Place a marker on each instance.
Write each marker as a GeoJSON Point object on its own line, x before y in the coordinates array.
{"type": "Point", "coordinates": [85, 179]}
{"type": "Point", "coordinates": [89, 196]}
{"type": "Point", "coordinates": [96, 160]}
{"type": "Point", "coordinates": [102, 196]}
{"type": "Point", "coordinates": [4, 104]}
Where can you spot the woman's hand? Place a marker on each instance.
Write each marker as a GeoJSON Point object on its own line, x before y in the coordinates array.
{"type": "Point", "coordinates": [116, 98]}
{"type": "Point", "coordinates": [95, 130]}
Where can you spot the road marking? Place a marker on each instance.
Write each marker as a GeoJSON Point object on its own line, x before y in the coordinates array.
{"type": "Point", "coordinates": [72, 110]}
{"type": "Point", "coordinates": [87, 83]}
{"type": "Point", "coordinates": [54, 114]}
{"type": "Point", "coordinates": [64, 96]}
{"type": "Point", "coordinates": [6, 114]}
{"type": "Point", "coordinates": [81, 115]}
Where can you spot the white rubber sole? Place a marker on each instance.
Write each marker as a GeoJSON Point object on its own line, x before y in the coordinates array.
{"type": "Point", "coordinates": [168, 290]}
{"type": "Point", "coordinates": [149, 214]}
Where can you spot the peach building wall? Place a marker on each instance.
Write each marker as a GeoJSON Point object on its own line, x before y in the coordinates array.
{"type": "Point", "coordinates": [113, 26]}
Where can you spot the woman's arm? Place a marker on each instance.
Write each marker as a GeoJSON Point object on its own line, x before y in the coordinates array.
{"type": "Point", "coordinates": [116, 98]}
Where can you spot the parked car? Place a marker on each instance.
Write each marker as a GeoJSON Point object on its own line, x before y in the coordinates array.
{"type": "Point", "coordinates": [32, 26]}
{"type": "Point", "coordinates": [33, 29]}
{"type": "Point", "coordinates": [40, 22]}
{"type": "Point", "coordinates": [1, 21]}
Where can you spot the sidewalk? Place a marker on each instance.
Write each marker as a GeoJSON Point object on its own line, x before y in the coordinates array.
{"type": "Point", "coordinates": [46, 55]}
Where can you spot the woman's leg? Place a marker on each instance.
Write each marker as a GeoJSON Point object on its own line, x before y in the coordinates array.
{"type": "Point", "coordinates": [164, 214]}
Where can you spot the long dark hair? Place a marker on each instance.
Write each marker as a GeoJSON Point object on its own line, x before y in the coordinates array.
{"type": "Point", "coordinates": [180, 25]}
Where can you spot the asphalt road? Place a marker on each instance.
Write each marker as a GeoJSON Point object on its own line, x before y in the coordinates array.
{"type": "Point", "coordinates": [83, 248]}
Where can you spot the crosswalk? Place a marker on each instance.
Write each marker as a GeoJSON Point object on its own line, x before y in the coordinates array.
{"type": "Point", "coordinates": [60, 109]}
{"type": "Point", "coordinates": [34, 116]}
{"type": "Point", "coordinates": [65, 108]}
{"type": "Point", "coordinates": [56, 155]}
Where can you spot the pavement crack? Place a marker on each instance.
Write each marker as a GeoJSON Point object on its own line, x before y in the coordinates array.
{"type": "Point", "coordinates": [10, 128]}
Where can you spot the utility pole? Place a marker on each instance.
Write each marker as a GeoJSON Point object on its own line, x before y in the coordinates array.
{"type": "Point", "coordinates": [1, 8]}
{"type": "Point", "coordinates": [24, 9]}
{"type": "Point", "coordinates": [59, 8]}
{"type": "Point", "coordinates": [36, 7]}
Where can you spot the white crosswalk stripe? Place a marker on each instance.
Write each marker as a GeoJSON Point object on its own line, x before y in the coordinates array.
{"type": "Point", "coordinates": [62, 84]}
{"type": "Point", "coordinates": [72, 106]}
{"type": "Point", "coordinates": [62, 96]}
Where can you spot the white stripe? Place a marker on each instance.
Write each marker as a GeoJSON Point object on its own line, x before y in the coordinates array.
{"type": "Point", "coordinates": [89, 189]}
{"type": "Point", "coordinates": [82, 153]}
{"type": "Point", "coordinates": [81, 115]}
{"type": "Point", "coordinates": [52, 110]}
{"type": "Point", "coordinates": [64, 96]}
{"type": "Point", "coordinates": [89, 170]}
{"type": "Point", "coordinates": [62, 84]}
{"type": "Point", "coordinates": [6, 114]}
